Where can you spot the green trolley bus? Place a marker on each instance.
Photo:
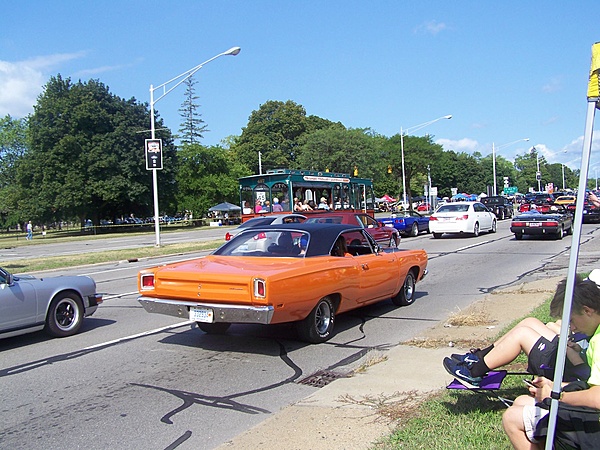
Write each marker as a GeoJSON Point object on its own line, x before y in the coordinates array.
{"type": "Point", "coordinates": [303, 191]}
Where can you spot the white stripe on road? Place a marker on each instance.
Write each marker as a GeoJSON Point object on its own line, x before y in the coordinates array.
{"type": "Point", "coordinates": [109, 297]}
{"type": "Point", "coordinates": [144, 333]}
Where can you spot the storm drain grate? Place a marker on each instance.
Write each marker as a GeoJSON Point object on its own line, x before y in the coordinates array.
{"type": "Point", "coordinates": [321, 378]}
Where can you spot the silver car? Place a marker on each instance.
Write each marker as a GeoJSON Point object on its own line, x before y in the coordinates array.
{"type": "Point", "coordinates": [56, 305]}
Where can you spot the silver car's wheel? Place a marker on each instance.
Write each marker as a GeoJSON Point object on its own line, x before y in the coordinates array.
{"type": "Point", "coordinates": [493, 230]}
{"type": "Point", "coordinates": [65, 315]}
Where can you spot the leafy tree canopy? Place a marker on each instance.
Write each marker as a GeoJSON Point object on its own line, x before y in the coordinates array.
{"type": "Point", "coordinates": [206, 176]}
{"type": "Point", "coordinates": [86, 155]}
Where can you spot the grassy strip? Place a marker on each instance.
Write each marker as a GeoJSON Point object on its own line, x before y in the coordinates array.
{"type": "Point", "coordinates": [461, 419]}
{"type": "Point", "coordinates": [59, 262]}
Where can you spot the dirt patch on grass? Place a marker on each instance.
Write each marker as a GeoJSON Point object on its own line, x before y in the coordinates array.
{"type": "Point", "coordinates": [480, 323]}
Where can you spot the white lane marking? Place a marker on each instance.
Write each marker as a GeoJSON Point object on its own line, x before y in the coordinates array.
{"type": "Point", "coordinates": [476, 244]}
{"type": "Point", "coordinates": [109, 297]}
{"type": "Point", "coordinates": [144, 333]}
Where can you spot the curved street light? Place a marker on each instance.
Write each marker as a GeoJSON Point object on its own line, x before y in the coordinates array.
{"type": "Point", "coordinates": [182, 77]}
{"type": "Point", "coordinates": [494, 149]}
{"type": "Point", "coordinates": [412, 130]}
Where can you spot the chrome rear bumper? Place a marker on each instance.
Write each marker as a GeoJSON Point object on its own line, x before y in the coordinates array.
{"type": "Point", "coordinates": [221, 313]}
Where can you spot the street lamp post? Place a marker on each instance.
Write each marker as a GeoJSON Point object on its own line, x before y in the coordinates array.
{"type": "Point", "coordinates": [538, 174]}
{"type": "Point", "coordinates": [177, 80]}
{"type": "Point", "coordinates": [409, 130]}
{"type": "Point", "coordinates": [494, 149]}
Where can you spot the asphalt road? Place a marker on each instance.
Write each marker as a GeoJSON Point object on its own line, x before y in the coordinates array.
{"type": "Point", "coordinates": [134, 380]}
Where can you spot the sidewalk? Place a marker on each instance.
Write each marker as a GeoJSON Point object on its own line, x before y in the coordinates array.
{"type": "Point", "coordinates": [341, 416]}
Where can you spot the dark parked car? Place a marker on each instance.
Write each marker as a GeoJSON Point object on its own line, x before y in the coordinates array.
{"type": "Point", "coordinates": [501, 206]}
{"type": "Point", "coordinates": [591, 213]}
{"type": "Point", "coordinates": [537, 224]}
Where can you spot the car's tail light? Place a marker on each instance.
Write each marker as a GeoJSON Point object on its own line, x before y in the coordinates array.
{"type": "Point", "coordinates": [228, 236]}
{"type": "Point", "coordinates": [518, 224]}
{"type": "Point", "coordinates": [260, 288]}
{"type": "Point", "coordinates": [433, 218]}
{"type": "Point", "coordinates": [552, 223]}
{"type": "Point", "coordinates": [463, 217]}
{"type": "Point", "coordinates": [147, 281]}
{"type": "Point", "coordinates": [259, 236]}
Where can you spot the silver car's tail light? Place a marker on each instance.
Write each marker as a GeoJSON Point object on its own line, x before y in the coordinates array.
{"type": "Point", "coordinates": [147, 281]}
{"type": "Point", "coordinates": [260, 288]}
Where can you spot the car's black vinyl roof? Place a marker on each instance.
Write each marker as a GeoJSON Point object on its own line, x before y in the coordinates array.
{"type": "Point", "coordinates": [322, 235]}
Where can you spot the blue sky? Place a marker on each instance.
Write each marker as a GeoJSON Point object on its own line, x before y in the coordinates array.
{"type": "Point", "coordinates": [505, 70]}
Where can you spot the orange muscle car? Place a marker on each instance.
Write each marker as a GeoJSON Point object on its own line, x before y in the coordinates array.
{"type": "Point", "coordinates": [301, 272]}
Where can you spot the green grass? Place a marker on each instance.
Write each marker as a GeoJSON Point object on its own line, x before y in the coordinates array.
{"type": "Point", "coordinates": [59, 262]}
{"type": "Point", "coordinates": [457, 419]}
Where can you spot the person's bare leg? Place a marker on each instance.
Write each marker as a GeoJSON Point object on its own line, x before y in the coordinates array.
{"type": "Point", "coordinates": [520, 338]}
{"type": "Point", "coordinates": [512, 421]}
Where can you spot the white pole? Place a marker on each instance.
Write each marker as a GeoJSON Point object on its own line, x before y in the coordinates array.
{"type": "Point", "coordinates": [571, 274]}
{"type": "Point", "coordinates": [182, 77]}
{"type": "Point", "coordinates": [494, 166]}
{"type": "Point", "coordinates": [403, 173]}
{"type": "Point", "coordinates": [154, 174]}
{"type": "Point", "coordinates": [415, 128]}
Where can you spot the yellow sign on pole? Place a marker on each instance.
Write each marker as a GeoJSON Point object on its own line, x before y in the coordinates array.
{"type": "Point", "coordinates": [594, 83]}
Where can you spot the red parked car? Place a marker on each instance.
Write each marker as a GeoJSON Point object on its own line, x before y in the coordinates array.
{"type": "Point", "coordinates": [384, 236]}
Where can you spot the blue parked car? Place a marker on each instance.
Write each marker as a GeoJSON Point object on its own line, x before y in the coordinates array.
{"type": "Point", "coordinates": [408, 223]}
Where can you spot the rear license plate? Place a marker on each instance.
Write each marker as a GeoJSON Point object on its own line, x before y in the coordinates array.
{"type": "Point", "coordinates": [201, 315]}
{"type": "Point", "coordinates": [534, 224]}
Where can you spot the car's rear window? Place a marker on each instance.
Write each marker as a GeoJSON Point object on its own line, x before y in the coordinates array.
{"type": "Point", "coordinates": [335, 219]}
{"type": "Point", "coordinates": [453, 208]}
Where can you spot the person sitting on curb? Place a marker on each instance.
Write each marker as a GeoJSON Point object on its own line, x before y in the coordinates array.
{"type": "Point", "coordinates": [538, 340]}
{"type": "Point", "coordinates": [526, 421]}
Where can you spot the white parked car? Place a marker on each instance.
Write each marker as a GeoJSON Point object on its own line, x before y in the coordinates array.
{"type": "Point", "coordinates": [462, 217]}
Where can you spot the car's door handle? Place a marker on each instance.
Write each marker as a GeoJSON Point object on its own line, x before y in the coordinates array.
{"type": "Point", "coordinates": [365, 266]}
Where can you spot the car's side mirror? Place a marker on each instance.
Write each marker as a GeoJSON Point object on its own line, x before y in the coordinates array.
{"type": "Point", "coordinates": [8, 280]}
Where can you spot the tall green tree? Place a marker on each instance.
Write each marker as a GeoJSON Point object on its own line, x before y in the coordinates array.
{"type": "Point", "coordinates": [526, 165]}
{"type": "Point", "coordinates": [419, 154]}
{"type": "Point", "coordinates": [193, 127]}
{"type": "Point", "coordinates": [206, 176]}
{"type": "Point", "coordinates": [339, 150]}
{"type": "Point", "coordinates": [273, 130]}
{"type": "Point", "coordinates": [13, 146]}
{"type": "Point", "coordinates": [86, 156]}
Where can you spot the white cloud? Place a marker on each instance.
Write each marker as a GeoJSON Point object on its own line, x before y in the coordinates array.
{"type": "Point", "coordinates": [553, 85]}
{"type": "Point", "coordinates": [103, 69]}
{"type": "Point", "coordinates": [432, 27]}
{"type": "Point", "coordinates": [464, 145]}
{"type": "Point", "coordinates": [21, 82]}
